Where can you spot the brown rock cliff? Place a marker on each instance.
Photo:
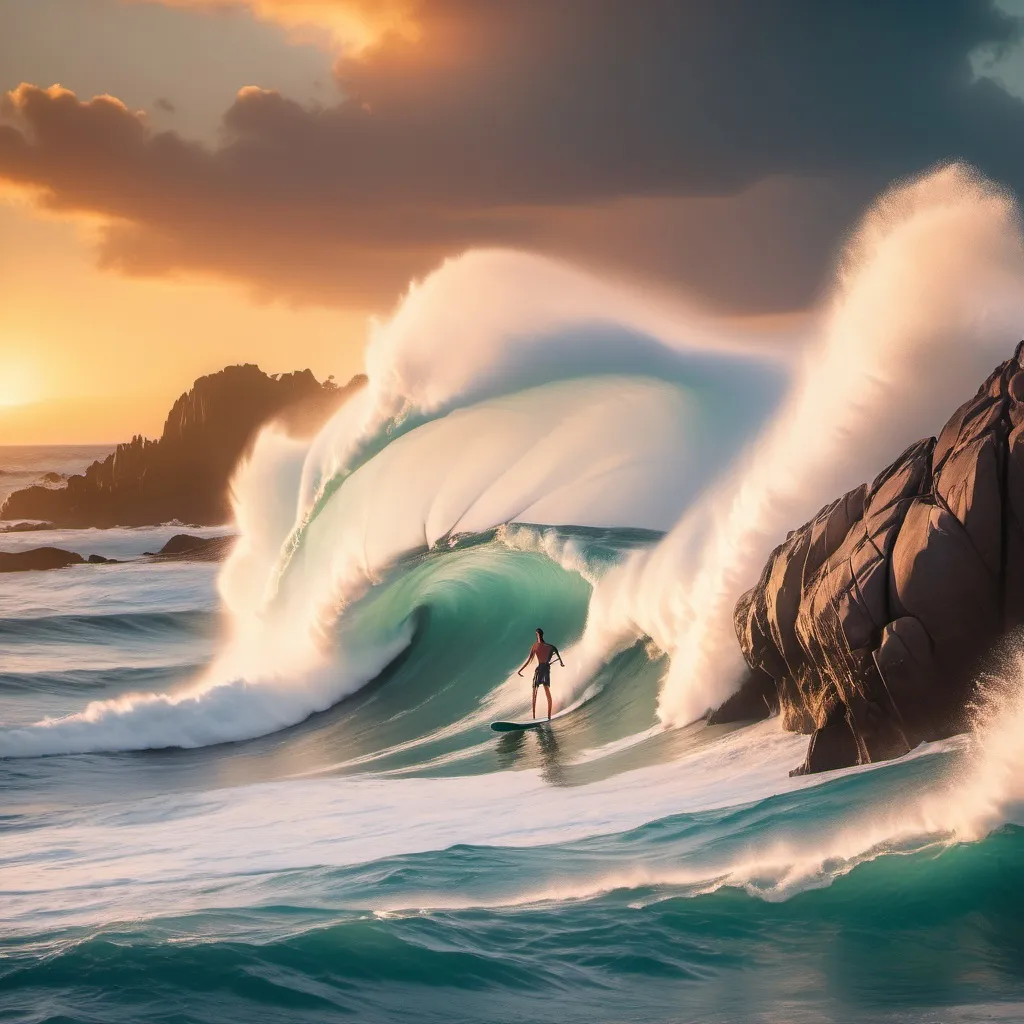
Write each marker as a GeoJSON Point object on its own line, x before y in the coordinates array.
{"type": "Point", "coordinates": [869, 623]}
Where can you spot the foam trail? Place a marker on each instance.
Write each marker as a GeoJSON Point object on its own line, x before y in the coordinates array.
{"type": "Point", "coordinates": [927, 301]}
{"type": "Point", "coordinates": [983, 790]}
{"type": "Point", "coordinates": [976, 789]}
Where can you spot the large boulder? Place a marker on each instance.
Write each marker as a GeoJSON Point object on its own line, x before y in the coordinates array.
{"type": "Point", "coordinates": [38, 558]}
{"type": "Point", "coordinates": [869, 624]}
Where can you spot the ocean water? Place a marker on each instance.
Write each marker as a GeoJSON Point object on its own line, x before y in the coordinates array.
{"type": "Point", "coordinates": [268, 790]}
{"type": "Point", "coordinates": [25, 465]}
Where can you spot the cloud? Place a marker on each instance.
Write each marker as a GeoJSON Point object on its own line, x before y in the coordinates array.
{"type": "Point", "coordinates": [351, 25]}
{"type": "Point", "coordinates": [645, 136]}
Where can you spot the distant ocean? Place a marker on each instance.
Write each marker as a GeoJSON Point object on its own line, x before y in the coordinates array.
{"type": "Point", "coordinates": [24, 465]}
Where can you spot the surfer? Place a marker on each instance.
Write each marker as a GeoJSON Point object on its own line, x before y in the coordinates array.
{"type": "Point", "coordinates": [542, 673]}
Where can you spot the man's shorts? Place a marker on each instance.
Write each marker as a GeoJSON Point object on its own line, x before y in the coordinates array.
{"type": "Point", "coordinates": [542, 675]}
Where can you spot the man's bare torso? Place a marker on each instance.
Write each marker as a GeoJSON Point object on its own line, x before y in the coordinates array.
{"type": "Point", "coordinates": [543, 652]}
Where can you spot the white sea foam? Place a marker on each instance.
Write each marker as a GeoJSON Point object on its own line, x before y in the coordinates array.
{"type": "Point", "coordinates": [67, 867]}
{"type": "Point", "coordinates": [143, 858]}
{"type": "Point", "coordinates": [294, 824]}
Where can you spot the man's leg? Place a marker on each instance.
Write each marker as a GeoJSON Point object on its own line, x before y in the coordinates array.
{"type": "Point", "coordinates": [533, 713]}
{"type": "Point", "coordinates": [547, 692]}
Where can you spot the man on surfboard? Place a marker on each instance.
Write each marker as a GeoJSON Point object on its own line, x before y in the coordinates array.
{"type": "Point", "coordinates": [542, 673]}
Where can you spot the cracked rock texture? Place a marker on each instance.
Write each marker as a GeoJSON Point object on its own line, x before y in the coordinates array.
{"type": "Point", "coordinates": [869, 624]}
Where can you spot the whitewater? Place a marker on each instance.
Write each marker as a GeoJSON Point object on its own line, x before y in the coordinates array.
{"type": "Point", "coordinates": [268, 790]}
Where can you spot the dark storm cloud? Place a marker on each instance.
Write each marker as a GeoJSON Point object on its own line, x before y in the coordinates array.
{"type": "Point", "coordinates": [591, 98]}
{"type": "Point", "coordinates": [538, 122]}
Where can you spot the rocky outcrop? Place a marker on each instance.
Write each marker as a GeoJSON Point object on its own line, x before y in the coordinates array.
{"type": "Point", "coordinates": [184, 475]}
{"type": "Point", "coordinates": [183, 547]}
{"type": "Point", "coordinates": [30, 527]}
{"type": "Point", "coordinates": [869, 624]}
{"type": "Point", "coordinates": [38, 558]}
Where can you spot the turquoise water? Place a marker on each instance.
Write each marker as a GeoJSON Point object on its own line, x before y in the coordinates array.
{"type": "Point", "coordinates": [919, 938]}
{"type": "Point", "coordinates": [384, 861]}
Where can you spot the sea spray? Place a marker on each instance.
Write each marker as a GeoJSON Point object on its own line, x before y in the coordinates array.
{"type": "Point", "coordinates": [495, 322]}
{"type": "Point", "coordinates": [927, 301]}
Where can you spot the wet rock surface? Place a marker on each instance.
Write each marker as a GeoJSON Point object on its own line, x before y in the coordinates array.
{"type": "Point", "coordinates": [869, 624]}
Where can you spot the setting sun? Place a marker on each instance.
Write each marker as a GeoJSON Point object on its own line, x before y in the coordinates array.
{"type": "Point", "coordinates": [19, 383]}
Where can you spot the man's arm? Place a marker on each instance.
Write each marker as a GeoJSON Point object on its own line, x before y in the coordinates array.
{"type": "Point", "coordinates": [558, 655]}
{"type": "Point", "coordinates": [528, 660]}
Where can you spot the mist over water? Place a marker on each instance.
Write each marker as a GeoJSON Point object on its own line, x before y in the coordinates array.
{"type": "Point", "coordinates": [269, 789]}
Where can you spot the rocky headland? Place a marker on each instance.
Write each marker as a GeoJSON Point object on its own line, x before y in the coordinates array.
{"type": "Point", "coordinates": [184, 475]}
{"type": "Point", "coordinates": [869, 624]}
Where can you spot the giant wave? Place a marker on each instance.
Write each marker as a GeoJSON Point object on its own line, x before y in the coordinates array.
{"type": "Point", "coordinates": [511, 389]}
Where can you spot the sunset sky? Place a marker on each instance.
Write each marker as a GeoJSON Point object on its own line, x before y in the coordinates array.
{"type": "Point", "coordinates": [190, 183]}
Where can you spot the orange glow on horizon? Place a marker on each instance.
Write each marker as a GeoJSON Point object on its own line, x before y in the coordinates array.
{"type": "Point", "coordinates": [348, 25]}
{"type": "Point", "coordinates": [91, 357]}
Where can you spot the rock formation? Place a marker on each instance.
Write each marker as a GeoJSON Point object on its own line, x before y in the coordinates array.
{"type": "Point", "coordinates": [184, 475]}
{"type": "Point", "coordinates": [183, 547]}
{"type": "Point", "coordinates": [869, 624]}
{"type": "Point", "coordinates": [38, 558]}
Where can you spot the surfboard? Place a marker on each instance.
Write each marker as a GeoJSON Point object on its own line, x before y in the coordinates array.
{"type": "Point", "coordinates": [531, 723]}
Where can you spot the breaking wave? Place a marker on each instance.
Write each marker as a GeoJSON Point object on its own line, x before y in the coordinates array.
{"type": "Point", "coordinates": [509, 389]}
